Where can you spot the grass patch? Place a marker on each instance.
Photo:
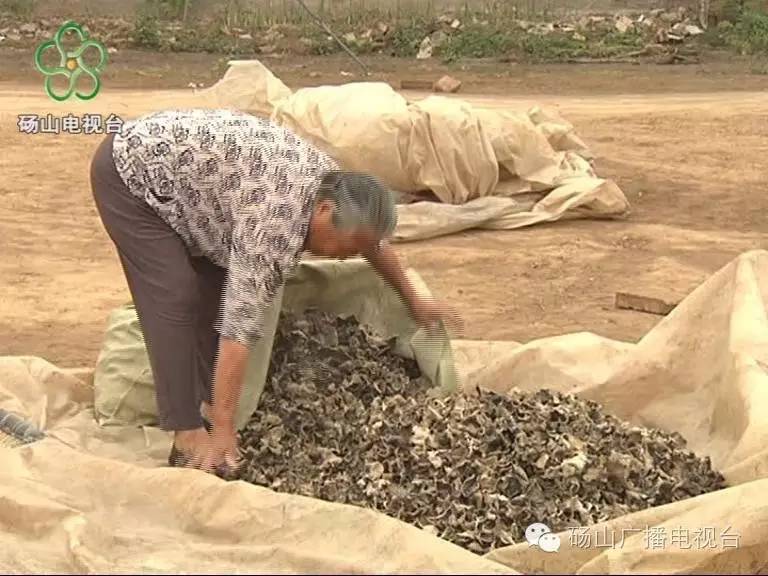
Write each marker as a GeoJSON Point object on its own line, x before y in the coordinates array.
{"type": "Point", "coordinates": [210, 39]}
{"type": "Point", "coordinates": [559, 47]}
{"type": "Point", "coordinates": [551, 48]}
{"type": "Point", "coordinates": [150, 31]}
{"type": "Point", "coordinates": [477, 42]}
{"type": "Point", "coordinates": [749, 35]}
{"type": "Point", "coordinates": [407, 36]}
{"type": "Point", "coordinates": [146, 32]}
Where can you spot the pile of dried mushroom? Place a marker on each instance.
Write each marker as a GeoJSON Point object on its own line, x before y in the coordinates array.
{"type": "Point", "coordinates": [345, 419]}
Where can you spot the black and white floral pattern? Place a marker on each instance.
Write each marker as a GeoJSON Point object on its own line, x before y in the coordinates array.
{"type": "Point", "coordinates": [238, 189]}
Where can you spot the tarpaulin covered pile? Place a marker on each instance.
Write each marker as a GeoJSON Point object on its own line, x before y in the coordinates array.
{"type": "Point", "coordinates": [91, 499]}
{"type": "Point", "coordinates": [486, 168]}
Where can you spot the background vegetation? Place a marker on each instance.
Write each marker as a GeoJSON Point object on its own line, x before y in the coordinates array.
{"type": "Point", "coordinates": [488, 29]}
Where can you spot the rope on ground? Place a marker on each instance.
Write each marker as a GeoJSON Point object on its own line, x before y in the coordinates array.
{"type": "Point", "coordinates": [338, 40]}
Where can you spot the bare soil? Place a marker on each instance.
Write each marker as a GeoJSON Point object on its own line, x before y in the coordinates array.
{"type": "Point", "coordinates": [686, 143]}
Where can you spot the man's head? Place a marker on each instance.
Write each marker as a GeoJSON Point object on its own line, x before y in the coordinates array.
{"type": "Point", "coordinates": [353, 213]}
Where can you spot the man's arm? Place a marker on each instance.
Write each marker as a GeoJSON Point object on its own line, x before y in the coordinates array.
{"type": "Point", "coordinates": [387, 264]}
{"type": "Point", "coordinates": [228, 382]}
{"type": "Point", "coordinates": [425, 311]}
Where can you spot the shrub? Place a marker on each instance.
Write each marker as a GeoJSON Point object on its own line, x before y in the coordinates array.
{"type": "Point", "coordinates": [146, 31]}
{"type": "Point", "coordinates": [750, 33]}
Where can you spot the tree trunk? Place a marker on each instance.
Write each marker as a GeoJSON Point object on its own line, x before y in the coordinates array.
{"type": "Point", "coordinates": [704, 13]}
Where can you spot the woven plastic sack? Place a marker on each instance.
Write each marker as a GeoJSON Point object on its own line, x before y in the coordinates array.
{"type": "Point", "coordinates": [124, 388]}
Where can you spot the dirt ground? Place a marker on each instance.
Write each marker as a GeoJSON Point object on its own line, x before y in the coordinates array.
{"type": "Point", "coordinates": [687, 145]}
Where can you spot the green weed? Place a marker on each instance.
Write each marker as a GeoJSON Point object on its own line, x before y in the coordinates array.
{"type": "Point", "coordinates": [750, 33]}
{"type": "Point", "coordinates": [551, 47]}
{"type": "Point", "coordinates": [477, 42]}
{"type": "Point", "coordinates": [407, 36]}
{"type": "Point", "coordinates": [146, 32]}
{"type": "Point", "coordinates": [209, 39]}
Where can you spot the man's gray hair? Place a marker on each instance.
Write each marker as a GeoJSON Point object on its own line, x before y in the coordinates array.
{"type": "Point", "coordinates": [360, 201]}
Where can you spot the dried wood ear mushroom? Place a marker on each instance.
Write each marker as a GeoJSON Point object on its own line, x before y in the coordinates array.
{"type": "Point", "coordinates": [345, 419]}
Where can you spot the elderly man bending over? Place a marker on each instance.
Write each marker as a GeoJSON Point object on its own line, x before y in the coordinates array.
{"type": "Point", "coordinates": [209, 211]}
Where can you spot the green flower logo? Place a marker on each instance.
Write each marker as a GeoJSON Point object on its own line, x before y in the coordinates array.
{"type": "Point", "coordinates": [71, 64]}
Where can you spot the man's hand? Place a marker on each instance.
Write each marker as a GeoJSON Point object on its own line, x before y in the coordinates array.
{"type": "Point", "coordinates": [222, 449]}
{"type": "Point", "coordinates": [214, 452]}
{"type": "Point", "coordinates": [219, 449]}
{"type": "Point", "coordinates": [428, 314]}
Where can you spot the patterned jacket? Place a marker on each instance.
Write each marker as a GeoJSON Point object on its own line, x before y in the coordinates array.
{"type": "Point", "coordinates": [236, 188]}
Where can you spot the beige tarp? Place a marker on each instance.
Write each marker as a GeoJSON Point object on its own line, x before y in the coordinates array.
{"type": "Point", "coordinates": [488, 168]}
{"type": "Point", "coordinates": [88, 499]}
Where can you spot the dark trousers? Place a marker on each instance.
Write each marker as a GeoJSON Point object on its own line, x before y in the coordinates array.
{"type": "Point", "coordinates": [177, 296]}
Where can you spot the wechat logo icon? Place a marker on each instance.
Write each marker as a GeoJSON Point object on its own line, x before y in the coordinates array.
{"type": "Point", "coordinates": [540, 535]}
{"type": "Point", "coordinates": [72, 65]}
